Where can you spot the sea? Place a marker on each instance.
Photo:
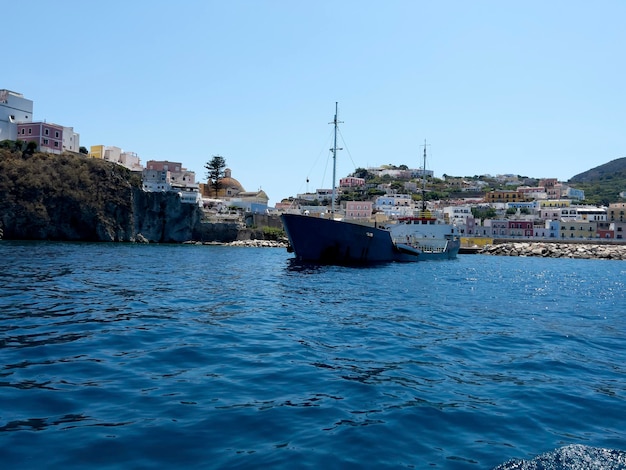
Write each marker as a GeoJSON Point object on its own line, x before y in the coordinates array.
{"type": "Point", "coordinates": [193, 356]}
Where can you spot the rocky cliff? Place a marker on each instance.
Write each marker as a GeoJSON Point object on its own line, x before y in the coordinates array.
{"type": "Point", "coordinates": [71, 197]}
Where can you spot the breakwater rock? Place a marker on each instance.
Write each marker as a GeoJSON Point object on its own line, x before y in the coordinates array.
{"type": "Point", "coordinates": [557, 250]}
{"type": "Point", "coordinates": [256, 243]}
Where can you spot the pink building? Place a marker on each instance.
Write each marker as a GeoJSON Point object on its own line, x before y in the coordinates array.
{"type": "Point", "coordinates": [520, 228]}
{"type": "Point", "coordinates": [49, 137]}
{"type": "Point", "coordinates": [351, 182]}
{"type": "Point", "coordinates": [164, 165]}
{"type": "Point", "coordinates": [358, 209]}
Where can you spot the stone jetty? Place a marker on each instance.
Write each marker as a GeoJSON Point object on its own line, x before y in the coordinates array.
{"type": "Point", "coordinates": [557, 250]}
{"type": "Point", "coordinates": [245, 243]}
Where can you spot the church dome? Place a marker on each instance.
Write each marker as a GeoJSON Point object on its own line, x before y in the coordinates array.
{"type": "Point", "coordinates": [229, 186]}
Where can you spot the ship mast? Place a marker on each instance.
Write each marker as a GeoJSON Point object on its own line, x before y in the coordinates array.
{"type": "Point", "coordinates": [334, 150]}
{"type": "Point", "coordinates": [424, 181]}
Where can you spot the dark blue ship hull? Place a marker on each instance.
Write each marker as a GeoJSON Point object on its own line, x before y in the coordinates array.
{"type": "Point", "coordinates": [327, 241]}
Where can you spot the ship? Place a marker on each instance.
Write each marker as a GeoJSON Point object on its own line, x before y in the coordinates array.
{"type": "Point", "coordinates": [332, 240]}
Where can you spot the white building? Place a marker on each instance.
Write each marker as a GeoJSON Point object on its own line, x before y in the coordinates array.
{"type": "Point", "coordinates": [592, 213]}
{"type": "Point", "coordinates": [156, 180]}
{"type": "Point", "coordinates": [188, 194]}
{"type": "Point", "coordinates": [131, 161]}
{"type": "Point", "coordinates": [395, 205]}
{"type": "Point", "coordinates": [14, 109]}
{"type": "Point", "coordinates": [71, 140]}
{"type": "Point", "coordinates": [457, 214]}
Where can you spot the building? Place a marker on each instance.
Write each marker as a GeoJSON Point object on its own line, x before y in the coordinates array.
{"type": "Point", "coordinates": [457, 214]}
{"type": "Point", "coordinates": [250, 201]}
{"type": "Point", "coordinates": [619, 229]}
{"type": "Point", "coordinates": [533, 192]}
{"type": "Point", "coordinates": [572, 193]}
{"type": "Point", "coordinates": [228, 187]}
{"type": "Point", "coordinates": [155, 180]}
{"type": "Point", "coordinates": [578, 229]}
{"type": "Point", "coordinates": [14, 109]}
{"type": "Point", "coordinates": [497, 228]}
{"type": "Point", "coordinates": [48, 136]}
{"type": "Point", "coordinates": [16, 123]}
{"type": "Point", "coordinates": [177, 174]}
{"type": "Point", "coordinates": [505, 196]}
{"type": "Point", "coordinates": [520, 228]}
{"type": "Point", "coordinates": [114, 154]}
{"type": "Point", "coordinates": [395, 205]}
{"type": "Point", "coordinates": [358, 209]}
{"type": "Point", "coordinates": [169, 176]}
{"type": "Point", "coordinates": [617, 212]}
{"type": "Point", "coordinates": [596, 214]}
{"type": "Point", "coordinates": [71, 140]}
{"type": "Point", "coordinates": [351, 182]}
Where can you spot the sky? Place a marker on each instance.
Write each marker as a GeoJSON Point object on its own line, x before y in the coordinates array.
{"type": "Point", "coordinates": [530, 87]}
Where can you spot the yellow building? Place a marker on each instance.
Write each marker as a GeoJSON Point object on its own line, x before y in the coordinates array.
{"type": "Point", "coordinates": [555, 203]}
{"type": "Point", "coordinates": [505, 196]}
{"type": "Point", "coordinates": [96, 151]}
{"type": "Point", "coordinates": [578, 229]}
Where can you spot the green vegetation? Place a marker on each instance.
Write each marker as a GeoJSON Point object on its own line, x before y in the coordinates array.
{"type": "Point", "coordinates": [271, 233]}
{"type": "Point", "coordinates": [602, 184]}
{"type": "Point", "coordinates": [215, 171]}
{"type": "Point", "coordinates": [483, 213]}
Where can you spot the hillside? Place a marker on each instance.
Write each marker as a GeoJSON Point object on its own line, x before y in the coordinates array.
{"type": "Point", "coordinates": [613, 169]}
{"type": "Point", "coordinates": [71, 197]}
{"type": "Point", "coordinates": [603, 183]}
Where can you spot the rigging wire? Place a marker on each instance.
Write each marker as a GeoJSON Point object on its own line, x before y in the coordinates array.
{"type": "Point", "coordinates": [328, 159]}
{"type": "Point", "coordinates": [315, 163]}
{"type": "Point", "coordinates": [345, 146]}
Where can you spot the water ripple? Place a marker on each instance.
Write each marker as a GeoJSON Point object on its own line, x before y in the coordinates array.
{"type": "Point", "coordinates": [151, 356]}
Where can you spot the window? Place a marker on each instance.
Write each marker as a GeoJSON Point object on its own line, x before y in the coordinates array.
{"type": "Point", "coordinates": [23, 131]}
{"type": "Point", "coordinates": [46, 131]}
{"type": "Point", "coordinates": [56, 134]}
{"type": "Point", "coordinates": [56, 144]}
{"type": "Point", "coordinates": [30, 131]}
{"type": "Point", "coordinates": [45, 141]}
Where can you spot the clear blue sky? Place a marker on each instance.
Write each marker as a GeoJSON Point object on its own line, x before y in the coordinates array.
{"type": "Point", "coordinates": [532, 87]}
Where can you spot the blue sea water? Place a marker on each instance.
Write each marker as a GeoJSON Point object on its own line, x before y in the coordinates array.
{"type": "Point", "coordinates": [181, 356]}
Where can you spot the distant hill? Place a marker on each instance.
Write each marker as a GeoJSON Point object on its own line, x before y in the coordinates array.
{"type": "Point", "coordinates": [614, 169]}
{"type": "Point", "coordinates": [603, 183]}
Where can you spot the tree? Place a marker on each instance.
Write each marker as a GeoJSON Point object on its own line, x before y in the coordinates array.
{"type": "Point", "coordinates": [361, 173]}
{"type": "Point", "coordinates": [215, 171]}
{"type": "Point", "coordinates": [31, 148]}
{"type": "Point", "coordinates": [83, 150]}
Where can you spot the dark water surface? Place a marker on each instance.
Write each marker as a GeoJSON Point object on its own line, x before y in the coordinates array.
{"type": "Point", "coordinates": [152, 356]}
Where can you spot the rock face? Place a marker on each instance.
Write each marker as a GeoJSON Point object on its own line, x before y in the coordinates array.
{"type": "Point", "coordinates": [74, 198]}
{"type": "Point", "coordinates": [139, 216]}
{"type": "Point", "coordinates": [557, 250]}
{"type": "Point", "coordinates": [161, 218]}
